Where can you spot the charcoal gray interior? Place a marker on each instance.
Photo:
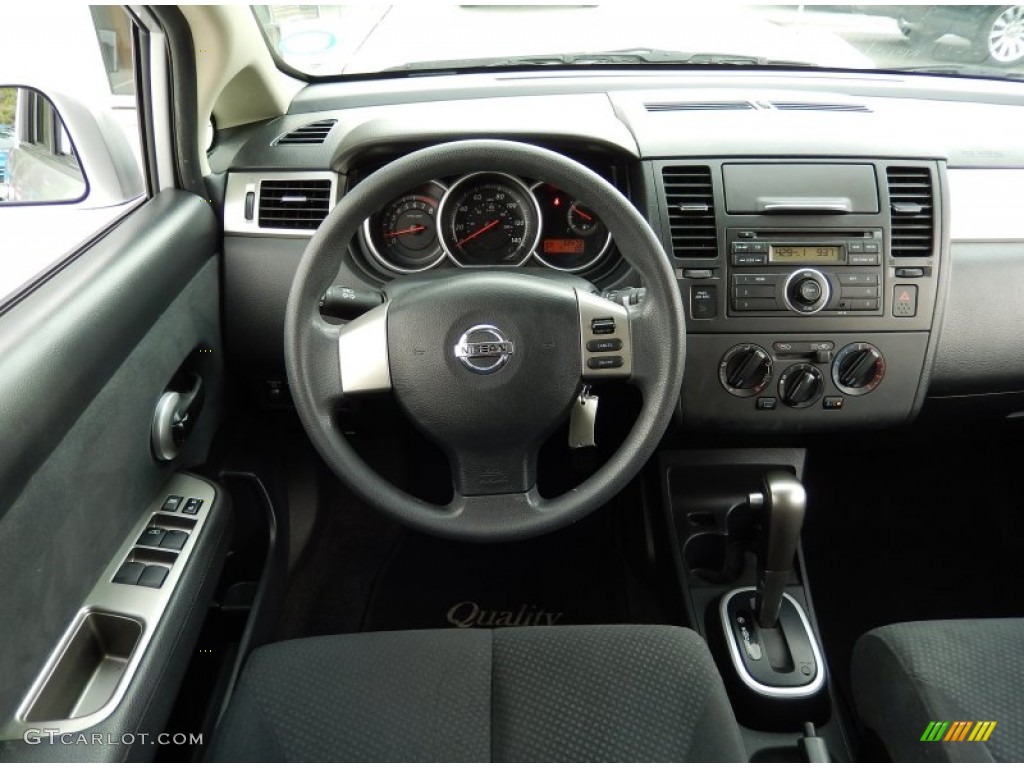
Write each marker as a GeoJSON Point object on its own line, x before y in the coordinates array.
{"type": "Point", "coordinates": [710, 456]}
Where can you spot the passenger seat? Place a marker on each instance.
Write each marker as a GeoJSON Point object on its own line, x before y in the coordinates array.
{"type": "Point", "coordinates": [931, 690]}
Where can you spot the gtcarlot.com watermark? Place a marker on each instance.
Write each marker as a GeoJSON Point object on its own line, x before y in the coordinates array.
{"type": "Point", "coordinates": [52, 736]}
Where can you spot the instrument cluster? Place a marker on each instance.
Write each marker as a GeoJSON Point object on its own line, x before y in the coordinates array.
{"type": "Point", "coordinates": [486, 219]}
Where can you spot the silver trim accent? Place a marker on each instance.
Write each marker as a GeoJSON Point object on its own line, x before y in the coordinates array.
{"type": "Point", "coordinates": [239, 183]}
{"type": "Point", "coordinates": [604, 249]}
{"type": "Point", "coordinates": [163, 423]}
{"type": "Point", "coordinates": [500, 347]}
{"type": "Point", "coordinates": [142, 604]}
{"type": "Point", "coordinates": [592, 307]}
{"type": "Point", "coordinates": [772, 692]}
{"type": "Point", "coordinates": [365, 366]}
{"type": "Point", "coordinates": [515, 181]}
{"type": "Point", "coordinates": [820, 304]}
{"type": "Point", "coordinates": [371, 246]}
{"type": "Point", "coordinates": [159, 80]}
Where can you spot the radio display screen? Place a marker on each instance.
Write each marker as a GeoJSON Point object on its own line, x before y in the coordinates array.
{"type": "Point", "coordinates": [805, 254]}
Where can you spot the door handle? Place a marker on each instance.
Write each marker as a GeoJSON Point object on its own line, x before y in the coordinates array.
{"type": "Point", "coordinates": [175, 417]}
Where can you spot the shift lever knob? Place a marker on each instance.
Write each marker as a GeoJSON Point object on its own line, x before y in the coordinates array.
{"type": "Point", "coordinates": [784, 503]}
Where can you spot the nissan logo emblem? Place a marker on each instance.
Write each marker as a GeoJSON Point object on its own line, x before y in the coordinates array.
{"type": "Point", "coordinates": [484, 349]}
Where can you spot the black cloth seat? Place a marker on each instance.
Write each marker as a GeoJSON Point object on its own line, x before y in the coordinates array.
{"type": "Point", "coordinates": [906, 676]}
{"type": "Point", "coordinates": [586, 693]}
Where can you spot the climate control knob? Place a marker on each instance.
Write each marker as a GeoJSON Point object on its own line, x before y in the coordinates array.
{"type": "Point", "coordinates": [745, 370]}
{"type": "Point", "coordinates": [858, 368]}
{"type": "Point", "coordinates": [807, 291]}
{"type": "Point", "coordinates": [801, 385]}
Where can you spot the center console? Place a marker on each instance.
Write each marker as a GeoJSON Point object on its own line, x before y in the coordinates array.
{"type": "Point", "coordinates": [810, 288]}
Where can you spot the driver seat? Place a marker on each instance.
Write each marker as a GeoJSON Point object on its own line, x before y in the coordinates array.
{"type": "Point", "coordinates": [548, 694]}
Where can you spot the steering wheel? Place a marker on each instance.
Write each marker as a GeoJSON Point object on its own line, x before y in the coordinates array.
{"type": "Point", "coordinates": [487, 363]}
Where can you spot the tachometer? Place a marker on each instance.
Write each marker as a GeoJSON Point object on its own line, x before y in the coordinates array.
{"type": "Point", "coordinates": [573, 237]}
{"type": "Point", "coordinates": [403, 235]}
{"type": "Point", "coordinates": [489, 220]}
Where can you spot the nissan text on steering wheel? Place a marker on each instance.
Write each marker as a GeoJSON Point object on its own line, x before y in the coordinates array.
{"type": "Point", "coordinates": [487, 363]}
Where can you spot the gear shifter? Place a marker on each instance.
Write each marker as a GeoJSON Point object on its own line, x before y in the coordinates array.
{"type": "Point", "coordinates": [784, 505]}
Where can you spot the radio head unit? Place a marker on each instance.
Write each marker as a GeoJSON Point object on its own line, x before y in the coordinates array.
{"type": "Point", "coordinates": [804, 272]}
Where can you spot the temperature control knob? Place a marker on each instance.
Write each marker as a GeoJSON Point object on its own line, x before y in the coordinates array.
{"type": "Point", "coordinates": [801, 385]}
{"type": "Point", "coordinates": [745, 370]}
{"type": "Point", "coordinates": [858, 368]}
{"type": "Point", "coordinates": [807, 291]}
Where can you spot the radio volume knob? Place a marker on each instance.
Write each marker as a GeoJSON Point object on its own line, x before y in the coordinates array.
{"type": "Point", "coordinates": [801, 385]}
{"type": "Point", "coordinates": [807, 291]}
{"type": "Point", "coordinates": [745, 370]}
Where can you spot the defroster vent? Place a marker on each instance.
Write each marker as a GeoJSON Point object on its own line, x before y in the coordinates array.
{"type": "Point", "coordinates": [912, 205]}
{"type": "Point", "coordinates": [294, 203]}
{"type": "Point", "coordinates": [691, 211]}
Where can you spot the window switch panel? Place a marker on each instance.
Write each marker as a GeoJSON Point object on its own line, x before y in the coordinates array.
{"type": "Point", "coordinates": [129, 573]}
{"type": "Point", "coordinates": [153, 576]}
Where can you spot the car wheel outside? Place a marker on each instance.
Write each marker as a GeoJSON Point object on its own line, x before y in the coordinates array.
{"type": "Point", "coordinates": [1002, 39]}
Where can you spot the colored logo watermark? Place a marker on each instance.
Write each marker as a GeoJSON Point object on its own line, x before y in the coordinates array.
{"type": "Point", "coordinates": [958, 730]}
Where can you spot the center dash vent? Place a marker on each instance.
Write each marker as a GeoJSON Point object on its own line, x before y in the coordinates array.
{"type": "Point", "coordinates": [912, 207]}
{"type": "Point", "coordinates": [313, 133]}
{"type": "Point", "coordinates": [696, 106]}
{"type": "Point", "coordinates": [294, 203]}
{"type": "Point", "coordinates": [691, 211]}
{"type": "Point", "coordinates": [815, 106]}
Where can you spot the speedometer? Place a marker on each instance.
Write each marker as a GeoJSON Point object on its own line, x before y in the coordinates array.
{"type": "Point", "coordinates": [489, 220]}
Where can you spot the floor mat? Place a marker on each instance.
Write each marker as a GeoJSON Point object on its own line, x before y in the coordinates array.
{"type": "Point", "coordinates": [919, 535]}
{"type": "Point", "coordinates": [574, 576]}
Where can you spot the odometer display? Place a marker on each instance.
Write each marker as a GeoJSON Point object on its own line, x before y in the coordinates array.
{"type": "Point", "coordinates": [563, 245]}
{"type": "Point", "coordinates": [489, 220]}
{"type": "Point", "coordinates": [805, 254]}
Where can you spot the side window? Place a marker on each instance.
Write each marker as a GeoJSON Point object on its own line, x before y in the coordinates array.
{"type": "Point", "coordinates": [70, 151]}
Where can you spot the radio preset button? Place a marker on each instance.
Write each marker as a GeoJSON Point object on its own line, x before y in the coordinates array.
{"type": "Point", "coordinates": [857, 278]}
{"type": "Point", "coordinates": [754, 291]}
{"type": "Point", "coordinates": [755, 279]}
{"type": "Point", "coordinates": [863, 305]}
{"type": "Point", "coordinates": [759, 247]}
{"type": "Point", "coordinates": [860, 291]}
{"type": "Point", "coordinates": [755, 305]}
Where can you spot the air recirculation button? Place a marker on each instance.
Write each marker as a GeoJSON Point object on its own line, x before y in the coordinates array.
{"type": "Point", "coordinates": [858, 368]}
{"type": "Point", "coordinates": [745, 370]}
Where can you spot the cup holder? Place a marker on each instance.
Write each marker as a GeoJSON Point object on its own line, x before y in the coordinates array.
{"type": "Point", "coordinates": [713, 557]}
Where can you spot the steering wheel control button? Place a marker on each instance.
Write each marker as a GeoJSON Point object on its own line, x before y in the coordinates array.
{"type": "Point", "coordinates": [745, 370]}
{"type": "Point", "coordinates": [484, 349]}
{"type": "Point", "coordinates": [767, 403]}
{"type": "Point", "coordinates": [151, 537]}
{"type": "Point", "coordinates": [174, 540]}
{"type": "Point", "coordinates": [832, 404]}
{"type": "Point", "coordinates": [807, 291]}
{"type": "Point", "coordinates": [904, 300]}
{"type": "Point", "coordinates": [171, 504]}
{"type": "Point", "coordinates": [192, 506]}
{"type": "Point", "coordinates": [604, 345]}
{"type": "Point", "coordinates": [153, 576]}
{"type": "Point", "coordinates": [602, 326]}
{"type": "Point", "coordinates": [604, 363]}
{"type": "Point", "coordinates": [129, 573]}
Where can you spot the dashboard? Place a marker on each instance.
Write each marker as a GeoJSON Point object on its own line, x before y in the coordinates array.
{"type": "Point", "coordinates": [828, 251]}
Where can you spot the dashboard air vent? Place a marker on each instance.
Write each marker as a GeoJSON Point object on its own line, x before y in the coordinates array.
{"type": "Point", "coordinates": [294, 203]}
{"type": "Point", "coordinates": [691, 211]}
{"type": "Point", "coordinates": [696, 106]}
{"type": "Point", "coordinates": [314, 133]}
{"type": "Point", "coordinates": [911, 204]}
{"type": "Point", "coordinates": [814, 106]}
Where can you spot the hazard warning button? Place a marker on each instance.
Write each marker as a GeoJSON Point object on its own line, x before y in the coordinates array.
{"type": "Point", "coordinates": [904, 300]}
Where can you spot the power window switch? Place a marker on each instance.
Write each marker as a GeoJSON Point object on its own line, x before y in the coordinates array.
{"type": "Point", "coordinates": [153, 576]}
{"type": "Point", "coordinates": [129, 573]}
{"type": "Point", "coordinates": [151, 537]}
{"type": "Point", "coordinates": [175, 540]}
{"type": "Point", "coordinates": [192, 506]}
{"type": "Point", "coordinates": [171, 504]}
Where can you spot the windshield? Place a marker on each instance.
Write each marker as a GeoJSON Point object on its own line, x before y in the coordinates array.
{"type": "Point", "coordinates": [339, 40]}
